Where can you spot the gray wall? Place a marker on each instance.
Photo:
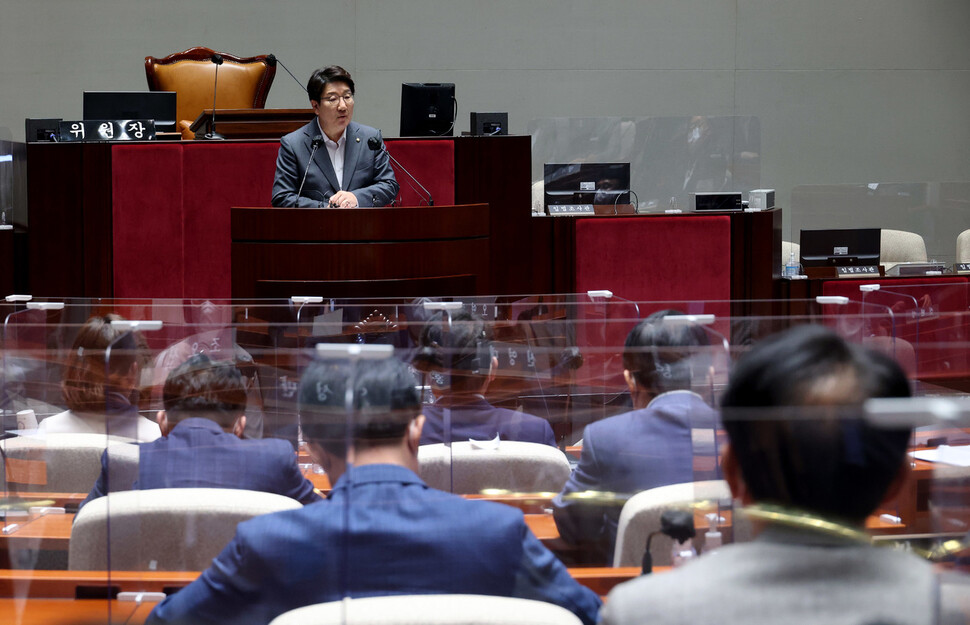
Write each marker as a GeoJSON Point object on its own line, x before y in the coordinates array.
{"type": "Point", "coordinates": [859, 91]}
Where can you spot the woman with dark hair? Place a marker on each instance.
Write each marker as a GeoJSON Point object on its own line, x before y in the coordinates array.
{"type": "Point", "coordinates": [101, 396]}
{"type": "Point", "coordinates": [652, 445]}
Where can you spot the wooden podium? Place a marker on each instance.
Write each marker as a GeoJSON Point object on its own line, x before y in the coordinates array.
{"type": "Point", "coordinates": [361, 252]}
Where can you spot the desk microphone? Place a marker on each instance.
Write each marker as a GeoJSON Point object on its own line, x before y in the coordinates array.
{"type": "Point", "coordinates": [212, 134]}
{"type": "Point", "coordinates": [271, 60]}
{"type": "Point", "coordinates": [317, 142]}
{"type": "Point", "coordinates": [377, 144]}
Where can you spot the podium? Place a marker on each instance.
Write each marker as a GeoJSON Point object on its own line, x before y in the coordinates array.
{"type": "Point", "coordinates": [360, 252]}
{"type": "Point", "coordinates": [252, 123]}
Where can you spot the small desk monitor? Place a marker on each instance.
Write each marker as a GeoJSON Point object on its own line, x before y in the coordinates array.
{"type": "Point", "coordinates": [123, 105]}
{"type": "Point", "coordinates": [586, 184]}
{"type": "Point", "coordinates": [428, 109]}
{"type": "Point", "coordinates": [840, 247]}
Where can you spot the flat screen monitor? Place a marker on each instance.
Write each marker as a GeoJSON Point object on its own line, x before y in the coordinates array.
{"type": "Point", "coordinates": [123, 105]}
{"type": "Point", "coordinates": [585, 184]}
{"type": "Point", "coordinates": [840, 247]}
{"type": "Point", "coordinates": [428, 109]}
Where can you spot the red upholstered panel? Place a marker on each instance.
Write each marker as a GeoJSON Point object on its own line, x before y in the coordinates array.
{"type": "Point", "coordinates": [655, 258]}
{"type": "Point", "coordinates": [937, 339]}
{"type": "Point", "coordinates": [146, 187]}
{"type": "Point", "coordinates": [432, 162]}
{"type": "Point", "coordinates": [217, 177]}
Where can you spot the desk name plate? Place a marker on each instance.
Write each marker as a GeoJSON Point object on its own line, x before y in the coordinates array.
{"type": "Point", "coordinates": [961, 268]}
{"type": "Point", "coordinates": [861, 271]}
{"type": "Point", "coordinates": [106, 130]}
{"type": "Point", "coordinates": [563, 210]}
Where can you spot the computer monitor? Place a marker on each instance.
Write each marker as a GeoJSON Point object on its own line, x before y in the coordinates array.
{"type": "Point", "coordinates": [586, 184]}
{"type": "Point", "coordinates": [124, 105]}
{"type": "Point", "coordinates": [840, 247]}
{"type": "Point", "coordinates": [428, 109]}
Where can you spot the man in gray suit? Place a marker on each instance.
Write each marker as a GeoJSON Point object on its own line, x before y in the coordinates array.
{"type": "Point", "coordinates": [328, 162]}
{"type": "Point", "coordinates": [801, 454]}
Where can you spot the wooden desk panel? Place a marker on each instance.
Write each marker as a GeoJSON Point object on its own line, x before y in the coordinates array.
{"type": "Point", "coordinates": [72, 612]}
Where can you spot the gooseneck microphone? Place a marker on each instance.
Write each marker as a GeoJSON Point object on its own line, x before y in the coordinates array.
{"type": "Point", "coordinates": [317, 142]}
{"type": "Point", "coordinates": [377, 144]}
{"type": "Point", "coordinates": [212, 134]}
{"type": "Point", "coordinates": [271, 60]}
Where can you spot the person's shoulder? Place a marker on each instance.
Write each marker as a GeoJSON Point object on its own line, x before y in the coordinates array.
{"type": "Point", "coordinates": [363, 131]}
{"type": "Point", "coordinates": [300, 133]}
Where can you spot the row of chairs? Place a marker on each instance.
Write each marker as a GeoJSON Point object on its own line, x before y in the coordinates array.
{"type": "Point", "coordinates": [898, 246]}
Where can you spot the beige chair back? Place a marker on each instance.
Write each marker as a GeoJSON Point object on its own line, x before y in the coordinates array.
{"type": "Point", "coordinates": [963, 247]}
{"type": "Point", "coordinates": [641, 517]}
{"type": "Point", "coordinates": [899, 246]}
{"type": "Point", "coordinates": [64, 463]}
{"type": "Point", "coordinates": [430, 610]}
{"type": "Point", "coordinates": [512, 465]}
{"type": "Point", "coordinates": [168, 529]}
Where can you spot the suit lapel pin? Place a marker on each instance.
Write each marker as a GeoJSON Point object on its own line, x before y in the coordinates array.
{"type": "Point", "coordinates": [358, 139]}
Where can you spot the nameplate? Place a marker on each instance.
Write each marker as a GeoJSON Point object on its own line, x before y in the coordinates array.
{"type": "Point", "coordinates": [558, 210]}
{"type": "Point", "coordinates": [961, 268]}
{"type": "Point", "coordinates": [861, 271]}
{"type": "Point", "coordinates": [107, 130]}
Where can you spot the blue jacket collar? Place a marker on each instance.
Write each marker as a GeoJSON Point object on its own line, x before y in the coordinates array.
{"type": "Point", "coordinates": [374, 473]}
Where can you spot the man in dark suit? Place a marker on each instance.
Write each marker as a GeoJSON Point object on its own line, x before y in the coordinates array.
{"type": "Point", "coordinates": [345, 172]}
{"type": "Point", "coordinates": [202, 445]}
{"type": "Point", "coordinates": [658, 443]}
{"type": "Point", "coordinates": [382, 531]}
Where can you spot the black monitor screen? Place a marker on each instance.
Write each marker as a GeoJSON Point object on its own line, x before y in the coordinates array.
{"type": "Point", "coordinates": [123, 105]}
{"type": "Point", "coordinates": [586, 183]}
{"type": "Point", "coordinates": [427, 109]}
{"type": "Point", "coordinates": [840, 247]}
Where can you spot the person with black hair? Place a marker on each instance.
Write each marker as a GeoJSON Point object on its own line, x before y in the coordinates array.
{"type": "Point", "coordinates": [652, 445]}
{"type": "Point", "coordinates": [328, 162]}
{"type": "Point", "coordinates": [800, 452]}
{"type": "Point", "coordinates": [382, 531]}
{"type": "Point", "coordinates": [202, 441]}
{"type": "Point", "coordinates": [456, 358]}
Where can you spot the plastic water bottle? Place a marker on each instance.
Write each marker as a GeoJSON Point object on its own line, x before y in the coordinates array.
{"type": "Point", "coordinates": [791, 267]}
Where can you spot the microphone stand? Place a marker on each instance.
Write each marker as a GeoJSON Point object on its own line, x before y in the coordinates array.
{"type": "Point", "coordinates": [212, 134]}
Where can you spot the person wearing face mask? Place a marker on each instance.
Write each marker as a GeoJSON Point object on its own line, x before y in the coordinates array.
{"type": "Point", "coordinates": [328, 163]}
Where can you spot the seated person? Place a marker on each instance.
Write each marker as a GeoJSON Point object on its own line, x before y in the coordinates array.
{"type": "Point", "coordinates": [460, 368]}
{"type": "Point", "coordinates": [202, 444]}
{"type": "Point", "coordinates": [650, 446]}
{"type": "Point", "coordinates": [102, 401]}
{"type": "Point", "coordinates": [382, 531]}
{"type": "Point", "coordinates": [798, 445]}
{"type": "Point", "coordinates": [328, 162]}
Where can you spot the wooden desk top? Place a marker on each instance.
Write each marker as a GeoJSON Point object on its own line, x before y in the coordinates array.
{"type": "Point", "coordinates": [73, 612]}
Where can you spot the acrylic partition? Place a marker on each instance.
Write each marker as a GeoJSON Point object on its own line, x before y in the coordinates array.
{"type": "Point", "coordinates": [669, 157]}
{"type": "Point", "coordinates": [451, 440]}
{"type": "Point", "coordinates": [937, 211]}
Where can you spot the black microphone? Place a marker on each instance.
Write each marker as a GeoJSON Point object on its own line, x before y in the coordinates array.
{"type": "Point", "coordinates": [377, 143]}
{"type": "Point", "coordinates": [271, 60]}
{"type": "Point", "coordinates": [317, 142]}
{"type": "Point", "coordinates": [212, 134]}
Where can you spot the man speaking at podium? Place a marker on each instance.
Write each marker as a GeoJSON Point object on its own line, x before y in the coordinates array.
{"type": "Point", "coordinates": [327, 163]}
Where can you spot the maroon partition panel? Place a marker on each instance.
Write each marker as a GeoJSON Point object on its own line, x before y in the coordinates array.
{"type": "Point", "coordinates": [147, 191]}
{"type": "Point", "coordinates": [432, 163]}
{"type": "Point", "coordinates": [655, 258]}
{"type": "Point", "coordinates": [931, 335]}
{"type": "Point", "coordinates": [216, 178]}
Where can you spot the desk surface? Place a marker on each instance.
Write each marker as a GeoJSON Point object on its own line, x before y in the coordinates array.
{"type": "Point", "coordinates": [72, 612]}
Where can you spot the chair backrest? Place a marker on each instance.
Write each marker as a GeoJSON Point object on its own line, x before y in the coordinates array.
{"type": "Point", "coordinates": [430, 610]}
{"type": "Point", "coordinates": [64, 463]}
{"type": "Point", "coordinates": [244, 82]}
{"type": "Point", "coordinates": [512, 465]}
{"type": "Point", "coordinates": [963, 247]}
{"type": "Point", "coordinates": [641, 517]}
{"type": "Point", "coordinates": [899, 246]}
{"type": "Point", "coordinates": [168, 529]}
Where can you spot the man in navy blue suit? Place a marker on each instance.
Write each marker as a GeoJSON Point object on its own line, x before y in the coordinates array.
{"type": "Point", "coordinates": [328, 162]}
{"type": "Point", "coordinates": [202, 445]}
{"type": "Point", "coordinates": [653, 445]}
{"type": "Point", "coordinates": [456, 357]}
{"type": "Point", "coordinates": [382, 531]}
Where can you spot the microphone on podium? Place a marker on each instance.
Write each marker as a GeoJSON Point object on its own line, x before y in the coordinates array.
{"type": "Point", "coordinates": [271, 60]}
{"type": "Point", "coordinates": [212, 134]}
{"type": "Point", "coordinates": [377, 144]}
{"type": "Point", "coordinates": [317, 142]}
